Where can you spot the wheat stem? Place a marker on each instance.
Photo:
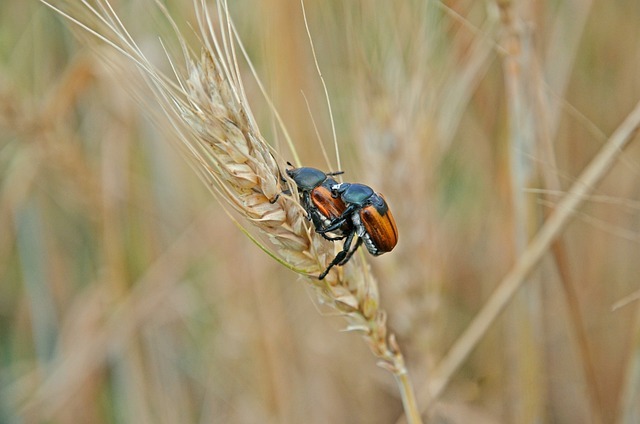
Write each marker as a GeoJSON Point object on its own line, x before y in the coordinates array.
{"type": "Point", "coordinates": [412, 413]}
{"type": "Point", "coordinates": [558, 220]}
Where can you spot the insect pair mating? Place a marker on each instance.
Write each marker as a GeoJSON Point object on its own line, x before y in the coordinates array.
{"type": "Point", "coordinates": [345, 211]}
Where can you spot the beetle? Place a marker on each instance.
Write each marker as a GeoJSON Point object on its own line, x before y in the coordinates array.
{"type": "Point", "coordinates": [371, 218]}
{"type": "Point", "coordinates": [317, 199]}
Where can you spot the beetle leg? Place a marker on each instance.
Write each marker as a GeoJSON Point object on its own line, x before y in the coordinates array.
{"type": "Point", "coordinates": [335, 224]}
{"type": "Point", "coordinates": [350, 253]}
{"type": "Point", "coordinates": [330, 238]}
{"type": "Point", "coordinates": [340, 256]}
{"type": "Point", "coordinates": [318, 223]}
{"type": "Point", "coordinates": [339, 221]}
{"type": "Point", "coordinates": [283, 181]}
{"type": "Point", "coordinates": [286, 192]}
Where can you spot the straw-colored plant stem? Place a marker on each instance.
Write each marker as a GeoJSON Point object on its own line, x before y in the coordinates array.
{"type": "Point", "coordinates": [531, 123]}
{"type": "Point", "coordinates": [209, 111]}
{"type": "Point", "coordinates": [531, 137]}
{"type": "Point", "coordinates": [525, 365]}
{"type": "Point", "coordinates": [534, 252]}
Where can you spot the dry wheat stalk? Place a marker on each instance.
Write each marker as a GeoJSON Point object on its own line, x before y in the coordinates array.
{"type": "Point", "coordinates": [211, 116]}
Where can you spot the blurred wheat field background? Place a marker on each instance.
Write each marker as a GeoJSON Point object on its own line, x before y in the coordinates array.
{"type": "Point", "coordinates": [128, 295]}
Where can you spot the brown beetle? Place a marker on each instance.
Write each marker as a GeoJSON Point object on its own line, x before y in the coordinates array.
{"type": "Point", "coordinates": [372, 221]}
{"type": "Point", "coordinates": [323, 208]}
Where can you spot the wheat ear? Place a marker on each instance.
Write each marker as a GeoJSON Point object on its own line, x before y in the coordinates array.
{"type": "Point", "coordinates": [208, 109]}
